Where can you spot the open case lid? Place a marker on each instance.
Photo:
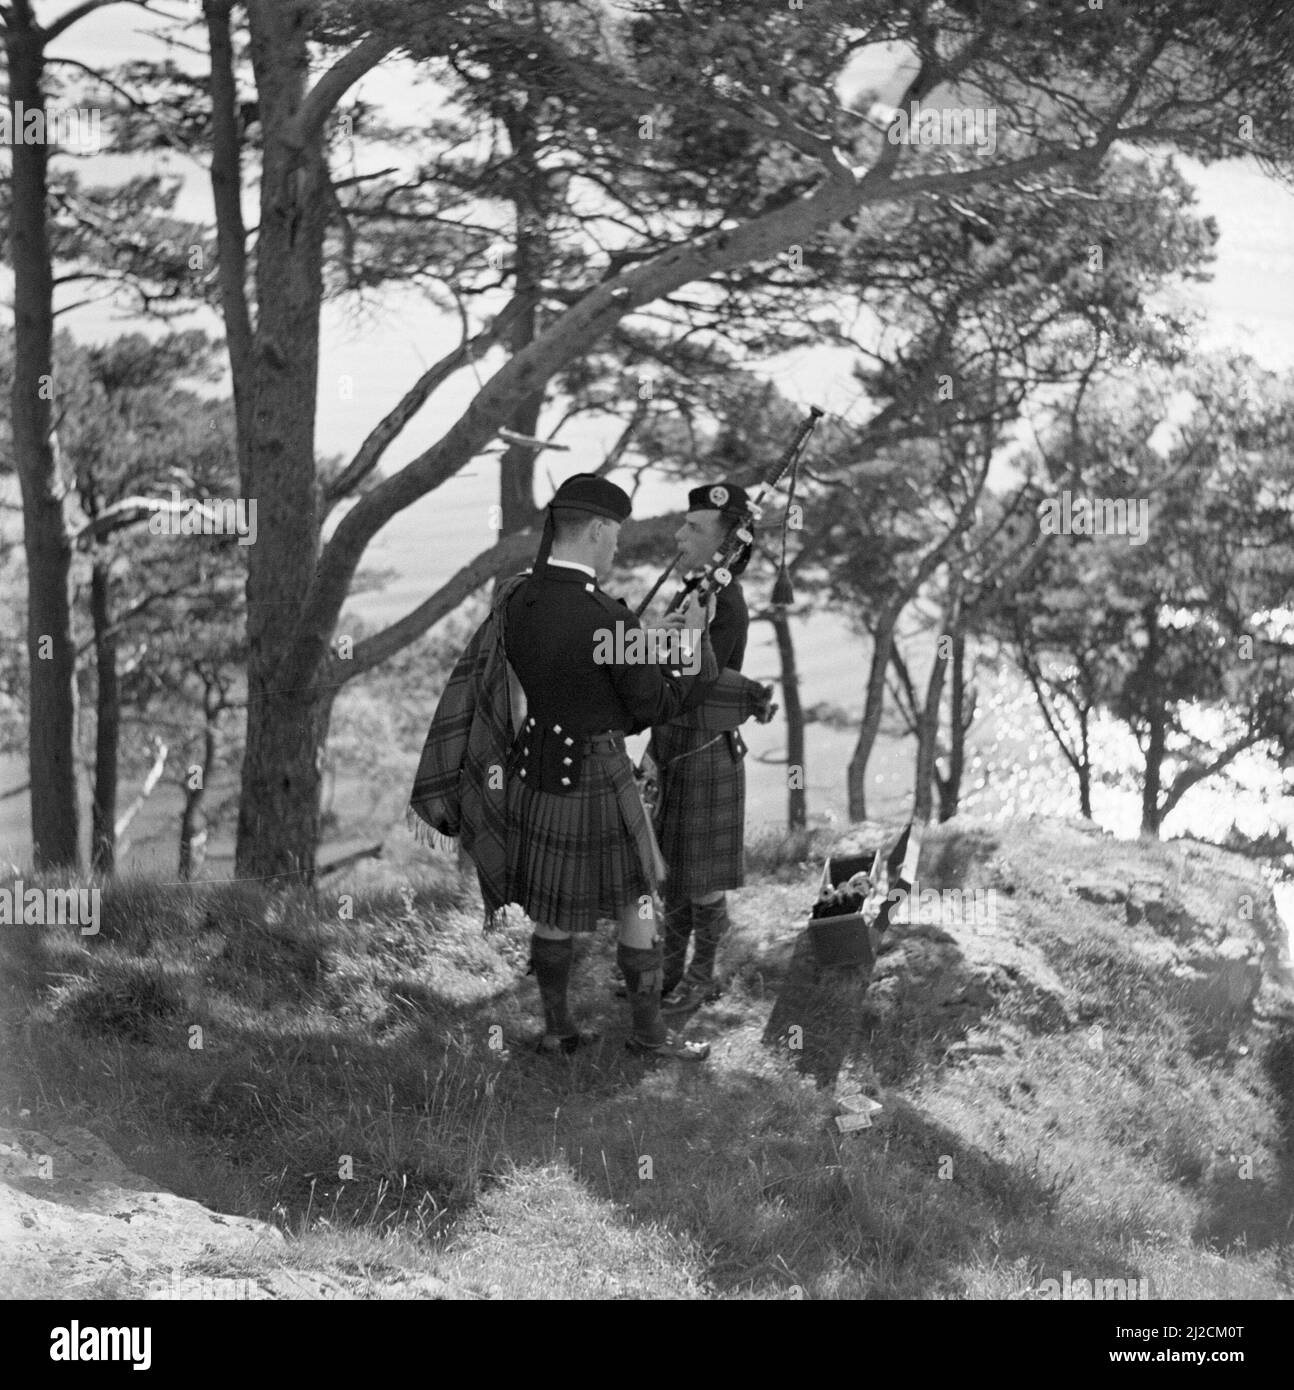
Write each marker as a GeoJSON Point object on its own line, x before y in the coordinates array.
{"type": "Point", "coordinates": [838, 871]}
{"type": "Point", "coordinates": [900, 863]}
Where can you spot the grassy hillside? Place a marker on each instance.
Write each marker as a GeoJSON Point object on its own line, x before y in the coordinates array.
{"type": "Point", "coordinates": [1098, 1079]}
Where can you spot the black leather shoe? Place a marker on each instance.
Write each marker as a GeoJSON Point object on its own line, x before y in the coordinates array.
{"type": "Point", "coordinates": [550, 1045]}
{"type": "Point", "coordinates": [673, 1048]}
{"type": "Point", "coordinates": [687, 996]}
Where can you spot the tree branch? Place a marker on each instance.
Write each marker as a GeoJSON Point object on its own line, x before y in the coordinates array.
{"type": "Point", "coordinates": [1189, 777]}
{"type": "Point", "coordinates": [1034, 676]}
{"type": "Point", "coordinates": [388, 429]}
{"type": "Point", "coordinates": [617, 451]}
{"type": "Point", "coordinates": [489, 564]}
{"type": "Point", "coordinates": [127, 512]}
{"type": "Point", "coordinates": [150, 781]}
{"type": "Point", "coordinates": [78, 12]}
{"type": "Point", "coordinates": [332, 86]}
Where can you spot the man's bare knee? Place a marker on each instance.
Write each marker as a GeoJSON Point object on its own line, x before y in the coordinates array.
{"type": "Point", "coordinates": [638, 923]}
{"type": "Point", "coordinates": [550, 933]}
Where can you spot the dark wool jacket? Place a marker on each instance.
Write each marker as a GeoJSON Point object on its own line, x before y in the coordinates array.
{"type": "Point", "coordinates": [555, 621]}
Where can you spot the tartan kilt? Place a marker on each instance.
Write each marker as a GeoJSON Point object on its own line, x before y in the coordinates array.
{"type": "Point", "coordinates": [701, 810]}
{"type": "Point", "coordinates": [581, 855]}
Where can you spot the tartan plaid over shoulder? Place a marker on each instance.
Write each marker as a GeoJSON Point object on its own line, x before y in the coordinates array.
{"type": "Point", "coordinates": [728, 703]}
{"type": "Point", "coordinates": [471, 734]}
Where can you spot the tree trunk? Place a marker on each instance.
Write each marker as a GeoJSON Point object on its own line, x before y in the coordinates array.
{"type": "Point", "coordinates": [1150, 816]}
{"type": "Point", "coordinates": [151, 780]}
{"type": "Point", "coordinates": [517, 465]}
{"type": "Point", "coordinates": [882, 642]}
{"type": "Point", "coordinates": [107, 723]}
{"type": "Point", "coordinates": [1157, 728]}
{"type": "Point", "coordinates": [950, 788]}
{"type": "Point", "coordinates": [193, 820]}
{"type": "Point", "coordinates": [1084, 767]}
{"type": "Point", "coordinates": [50, 652]}
{"type": "Point", "coordinates": [227, 194]}
{"type": "Point", "coordinates": [278, 814]}
{"type": "Point", "coordinates": [928, 737]}
{"type": "Point", "coordinates": [796, 795]}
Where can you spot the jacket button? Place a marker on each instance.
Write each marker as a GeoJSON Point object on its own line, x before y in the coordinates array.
{"type": "Point", "coordinates": [566, 781]}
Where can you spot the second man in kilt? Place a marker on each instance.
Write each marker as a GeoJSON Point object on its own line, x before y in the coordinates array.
{"type": "Point", "coordinates": [701, 774]}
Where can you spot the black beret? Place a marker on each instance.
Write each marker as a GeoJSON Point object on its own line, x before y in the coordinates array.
{"type": "Point", "coordinates": [586, 492]}
{"type": "Point", "coordinates": [719, 497]}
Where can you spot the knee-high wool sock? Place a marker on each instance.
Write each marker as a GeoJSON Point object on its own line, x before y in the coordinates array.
{"type": "Point", "coordinates": [552, 961]}
{"type": "Point", "coordinates": [642, 972]}
{"type": "Point", "coordinates": [677, 923]}
{"type": "Point", "coordinates": [709, 922]}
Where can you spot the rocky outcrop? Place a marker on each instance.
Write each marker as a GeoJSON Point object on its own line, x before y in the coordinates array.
{"type": "Point", "coordinates": [979, 934]}
{"type": "Point", "coordinates": [958, 968]}
{"type": "Point", "coordinates": [1205, 919]}
{"type": "Point", "coordinates": [76, 1222]}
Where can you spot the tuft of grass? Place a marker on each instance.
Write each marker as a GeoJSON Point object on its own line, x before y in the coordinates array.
{"type": "Point", "coordinates": [126, 999]}
{"type": "Point", "coordinates": [787, 855]}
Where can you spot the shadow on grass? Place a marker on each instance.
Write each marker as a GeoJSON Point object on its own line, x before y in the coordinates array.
{"type": "Point", "coordinates": [1245, 1206]}
{"type": "Point", "coordinates": [829, 1019]}
{"type": "Point", "coordinates": [953, 858]}
{"type": "Point", "coordinates": [745, 1169]}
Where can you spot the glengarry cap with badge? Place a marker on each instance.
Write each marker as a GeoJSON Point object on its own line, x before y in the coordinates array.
{"type": "Point", "coordinates": [727, 498]}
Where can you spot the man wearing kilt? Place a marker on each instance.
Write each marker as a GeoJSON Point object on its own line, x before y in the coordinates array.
{"type": "Point", "coordinates": [701, 810]}
{"type": "Point", "coordinates": [579, 844]}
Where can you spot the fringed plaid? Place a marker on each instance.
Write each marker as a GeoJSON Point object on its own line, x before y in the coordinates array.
{"type": "Point", "coordinates": [460, 790]}
{"type": "Point", "coordinates": [728, 703]}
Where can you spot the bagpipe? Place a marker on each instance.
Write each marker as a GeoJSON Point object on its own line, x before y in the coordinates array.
{"type": "Point", "coordinates": [734, 698]}
{"type": "Point", "coordinates": [718, 570]}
